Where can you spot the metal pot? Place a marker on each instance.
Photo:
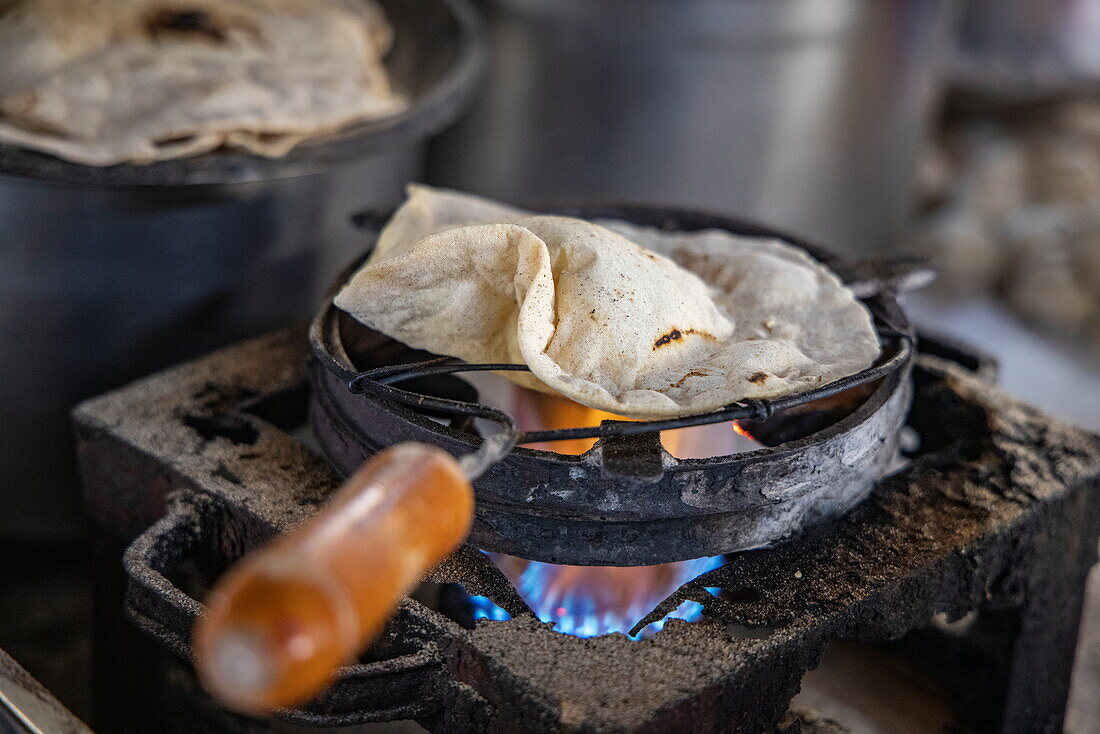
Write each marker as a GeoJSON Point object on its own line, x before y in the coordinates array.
{"type": "Point", "coordinates": [109, 273]}
{"type": "Point", "coordinates": [803, 114]}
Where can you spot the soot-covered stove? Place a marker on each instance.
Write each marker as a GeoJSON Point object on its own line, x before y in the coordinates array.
{"type": "Point", "coordinates": [997, 511]}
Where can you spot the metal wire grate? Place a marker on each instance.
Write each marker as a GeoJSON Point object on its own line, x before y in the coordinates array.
{"type": "Point", "coordinates": [378, 383]}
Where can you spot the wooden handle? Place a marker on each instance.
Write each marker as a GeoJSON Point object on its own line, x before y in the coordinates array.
{"type": "Point", "coordinates": [280, 622]}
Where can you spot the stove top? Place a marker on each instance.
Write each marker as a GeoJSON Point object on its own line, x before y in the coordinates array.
{"type": "Point", "coordinates": [997, 511]}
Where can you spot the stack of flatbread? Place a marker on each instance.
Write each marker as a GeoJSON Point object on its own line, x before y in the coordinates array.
{"type": "Point", "coordinates": [632, 320]}
{"type": "Point", "coordinates": [101, 82]}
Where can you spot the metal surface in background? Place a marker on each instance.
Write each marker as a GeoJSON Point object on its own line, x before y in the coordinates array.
{"type": "Point", "coordinates": [109, 273]}
{"type": "Point", "coordinates": [804, 115]}
{"type": "Point", "coordinates": [1023, 48]}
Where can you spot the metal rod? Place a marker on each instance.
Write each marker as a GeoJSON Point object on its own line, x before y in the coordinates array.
{"type": "Point", "coordinates": [378, 383]}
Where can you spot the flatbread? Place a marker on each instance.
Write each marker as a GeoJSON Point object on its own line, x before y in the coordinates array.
{"type": "Point", "coordinates": [631, 320]}
{"type": "Point", "coordinates": [102, 82]}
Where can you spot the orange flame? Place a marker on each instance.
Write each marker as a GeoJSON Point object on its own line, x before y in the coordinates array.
{"type": "Point", "coordinates": [740, 431]}
{"type": "Point", "coordinates": [550, 412]}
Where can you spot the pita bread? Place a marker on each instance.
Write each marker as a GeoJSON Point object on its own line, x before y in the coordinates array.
{"type": "Point", "coordinates": [631, 320]}
{"type": "Point", "coordinates": [101, 82]}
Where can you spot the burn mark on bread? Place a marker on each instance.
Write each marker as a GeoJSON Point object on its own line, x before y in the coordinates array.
{"type": "Point", "coordinates": [758, 378]}
{"type": "Point", "coordinates": [678, 334]}
{"type": "Point", "coordinates": [191, 22]}
{"type": "Point", "coordinates": [668, 338]}
{"type": "Point", "coordinates": [693, 373]}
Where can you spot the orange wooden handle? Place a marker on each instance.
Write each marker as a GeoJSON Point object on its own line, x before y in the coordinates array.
{"type": "Point", "coordinates": [284, 619]}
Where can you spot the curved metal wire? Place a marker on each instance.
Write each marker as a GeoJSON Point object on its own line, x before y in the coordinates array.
{"type": "Point", "coordinates": [492, 449]}
{"type": "Point", "coordinates": [378, 383]}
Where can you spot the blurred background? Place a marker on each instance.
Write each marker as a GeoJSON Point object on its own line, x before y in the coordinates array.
{"type": "Point", "coordinates": [964, 130]}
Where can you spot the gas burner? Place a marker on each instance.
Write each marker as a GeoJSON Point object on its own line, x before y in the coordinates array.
{"type": "Point", "coordinates": [998, 511]}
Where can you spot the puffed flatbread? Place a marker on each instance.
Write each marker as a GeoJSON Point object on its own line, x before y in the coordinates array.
{"type": "Point", "coordinates": [631, 320]}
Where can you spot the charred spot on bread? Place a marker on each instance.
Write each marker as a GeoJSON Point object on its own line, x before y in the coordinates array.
{"type": "Point", "coordinates": [668, 338]}
{"type": "Point", "coordinates": [678, 334]}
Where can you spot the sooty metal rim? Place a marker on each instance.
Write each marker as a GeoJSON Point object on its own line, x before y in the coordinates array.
{"type": "Point", "coordinates": [627, 501]}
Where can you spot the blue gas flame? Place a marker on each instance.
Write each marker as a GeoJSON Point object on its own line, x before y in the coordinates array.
{"type": "Point", "coordinates": [576, 609]}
